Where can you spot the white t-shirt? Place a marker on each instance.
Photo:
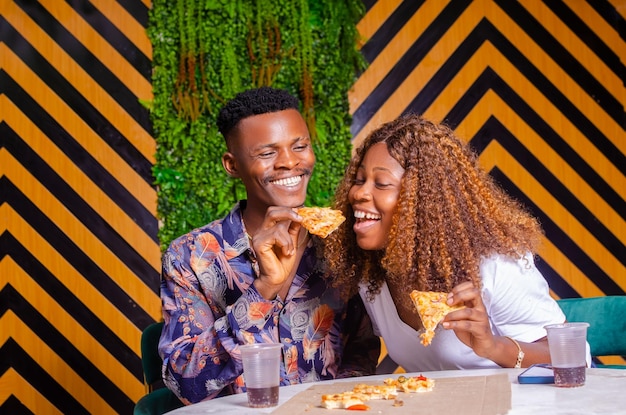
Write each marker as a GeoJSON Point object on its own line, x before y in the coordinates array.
{"type": "Point", "coordinates": [517, 300]}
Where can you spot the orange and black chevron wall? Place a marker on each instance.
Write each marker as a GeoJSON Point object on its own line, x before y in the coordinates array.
{"type": "Point", "coordinates": [537, 87]}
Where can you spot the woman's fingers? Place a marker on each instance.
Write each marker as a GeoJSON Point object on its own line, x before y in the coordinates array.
{"type": "Point", "coordinates": [466, 294]}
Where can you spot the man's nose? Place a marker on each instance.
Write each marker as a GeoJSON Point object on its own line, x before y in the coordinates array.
{"type": "Point", "coordinates": [287, 159]}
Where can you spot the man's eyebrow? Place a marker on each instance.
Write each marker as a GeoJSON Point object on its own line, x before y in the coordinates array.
{"type": "Point", "coordinates": [274, 145]}
{"type": "Point", "coordinates": [264, 146]}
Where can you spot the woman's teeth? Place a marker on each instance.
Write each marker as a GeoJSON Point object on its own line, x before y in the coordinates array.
{"type": "Point", "coordinates": [366, 215]}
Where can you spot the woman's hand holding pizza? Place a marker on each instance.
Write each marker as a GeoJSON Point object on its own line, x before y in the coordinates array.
{"type": "Point", "coordinates": [275, 246]}
{"type": "Point", "coordinates": [470, 324]}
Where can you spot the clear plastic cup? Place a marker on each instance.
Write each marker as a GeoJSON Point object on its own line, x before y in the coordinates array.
{"type": "Point", "coordinates": [568, 350]}
{"type": "Point", "coordinates": [261, 372]}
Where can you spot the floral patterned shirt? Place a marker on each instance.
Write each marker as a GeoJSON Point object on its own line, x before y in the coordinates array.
{"type": "Point", "coordinates": [210, 307]}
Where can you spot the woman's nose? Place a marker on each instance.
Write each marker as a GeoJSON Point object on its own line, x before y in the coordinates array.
{"type": "Point", "coordinates": [361, 192]}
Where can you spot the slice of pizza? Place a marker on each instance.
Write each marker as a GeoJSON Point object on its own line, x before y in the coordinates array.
{"type": "Point", "coordinates": [320, 221]}
{"type": "Point", "coordinates": [388, 390]}
{"type": "Point", "coordinates": [432, 308]}
{"type": "Point", "coordinates": [345, 400]}
{"type": "Point", "coordinates": [376, 391]}
{"type": "Point", "coordinates": [418, 384]}
{"type": "Point", "coordinates": [411, 384]}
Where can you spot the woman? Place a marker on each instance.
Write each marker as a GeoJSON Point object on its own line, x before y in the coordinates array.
{"type": "Point", "coordinates": [422, 215]}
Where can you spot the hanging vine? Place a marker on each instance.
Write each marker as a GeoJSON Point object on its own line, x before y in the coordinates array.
{"type": "Point", "coordinates": [189, 100]}
{"type": "Point", "coordinates": [305, 47]}
{"type": "Point", "coordinates": [265, 51]}
{"type": "Point", "coordinates": [205, 52]}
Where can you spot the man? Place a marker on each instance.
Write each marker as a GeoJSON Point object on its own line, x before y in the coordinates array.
{"type": "Point", "coordinates": [254, 276]}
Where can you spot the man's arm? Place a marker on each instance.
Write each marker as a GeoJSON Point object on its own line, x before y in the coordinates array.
{"type": "Point", "coordinates": [195, 365]}
{"type": "Point", "coordinates": [362, 347]}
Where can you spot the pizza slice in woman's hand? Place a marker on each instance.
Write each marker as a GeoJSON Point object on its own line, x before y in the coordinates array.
{"type": "Point", "coordinates": [432, 308]}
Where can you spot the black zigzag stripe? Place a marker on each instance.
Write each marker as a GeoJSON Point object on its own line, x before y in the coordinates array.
{"type": "Point", "coordinates": [559, 238]}
{"type": "Point", "coordinates": [611, 16]}
{"type": "Point", "coordinates": [14, 407]}
{"type": "Point", "coordinates": [75, 152]}
{"type": "Point", "coordinates": [115, 37]}
{"type": "Point", "coordinates": [369, 4]}
{"type": "Point", "coordinates": [485, 31]}
{"type": "Point", "coordinates": [406, 64]}
{"type": "Point", "coordinates": [80, 105]}
{"type": "Point", "coordinates": [493, 128]}
{"type": "Point", "coordinates": [489, 80]}
{"type": "Point", "coordinates": [86, 59]}
{"type": "Point", "coordinates": [103, 386]}
{"type": "Point", "coordinates": [556, 282]}
{"type": "Point", "coordinates": [79, 208]}
{"type": "Point", "coordinates": [73, 254]}
{"type": "Point", "coordinates": [69, 302]}
{"type": "Point", "coordinates": [13, 356]}
{"type": "Point", "coordinates": [387, 365]}
{"type": "Point", "coordinates": [389, 29]}
{"type": "Point", "coordinates": [137, 9]}
{"type": "Point", "coordinates": [565, 60]}
{"type": "Point", "coordinates": [588, 36]}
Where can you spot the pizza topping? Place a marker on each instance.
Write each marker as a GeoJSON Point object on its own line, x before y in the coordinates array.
{"type": "Point", "coordinates": [377, 391]}
{"type": "Point", "coordinates": [320, 221]}
{"type": "Point", "coordinates": [358, 407]}
{"type": "Point", "coordinates": [412, 384]}
{"type": "Point", "coordinates": [343, 400]}
{"type": "Point", "coordinates": [432, 307]}
{"type": "Point", "coordinates": [362, 392]}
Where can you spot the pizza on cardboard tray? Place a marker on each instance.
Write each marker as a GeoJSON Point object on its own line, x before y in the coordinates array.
{"type": "Point", "coordinates": [320, 221]}
{"type": "Point", "coordinates": [361, 393]}
{"type": "Point", "coordinates": [432, 308]}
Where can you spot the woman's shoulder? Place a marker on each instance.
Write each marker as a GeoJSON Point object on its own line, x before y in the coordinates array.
{"type": "Point", "coordinates": [498, 270]}
{"type": "Point", "coordinates": [493, 262]}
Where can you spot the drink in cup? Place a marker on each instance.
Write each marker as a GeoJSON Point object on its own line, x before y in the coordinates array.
{"type": "Point", "coordinates": [261, 372]}
{"type": "Point", "coordinates": [568, 349]}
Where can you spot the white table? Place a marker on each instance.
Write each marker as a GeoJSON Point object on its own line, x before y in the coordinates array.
{"type": "Point", "coordinates": [604, 393]}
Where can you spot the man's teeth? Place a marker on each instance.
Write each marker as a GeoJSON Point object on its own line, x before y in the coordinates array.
{"type": "Point", "coordinates": [365, 215]}
{"type": "Point", "coordinates": [291, 181]}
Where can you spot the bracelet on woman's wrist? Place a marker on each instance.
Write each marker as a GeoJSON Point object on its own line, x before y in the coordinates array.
{"type": "Point", "coordinates": [520, 353]}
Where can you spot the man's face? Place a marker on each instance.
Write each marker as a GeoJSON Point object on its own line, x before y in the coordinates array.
{"type": "Point", "coordinates": [272, 154]}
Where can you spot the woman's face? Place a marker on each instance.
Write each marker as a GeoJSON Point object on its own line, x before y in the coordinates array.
{"type": "Point", "coordinates": [374, 196]}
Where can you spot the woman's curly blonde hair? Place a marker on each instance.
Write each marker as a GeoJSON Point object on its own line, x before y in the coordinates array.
{"type": "Point", "coordinates": [450, 214]}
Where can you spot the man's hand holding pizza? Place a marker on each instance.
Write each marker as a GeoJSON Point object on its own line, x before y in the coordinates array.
{"type": "Point", "coordinates": [275, 244]}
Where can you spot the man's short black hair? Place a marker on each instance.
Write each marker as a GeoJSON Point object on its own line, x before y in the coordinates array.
{"type": "Point", "coordinates": [253, 102]}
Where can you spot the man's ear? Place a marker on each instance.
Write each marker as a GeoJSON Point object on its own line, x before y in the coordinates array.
{"type": "Point", "coordinates": [230, 164]}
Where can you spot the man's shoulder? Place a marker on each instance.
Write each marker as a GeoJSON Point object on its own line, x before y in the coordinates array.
{"type": "Point", "coordinates": [210, 231]}
{"type": "Point", "coordinates": [216, 229]}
